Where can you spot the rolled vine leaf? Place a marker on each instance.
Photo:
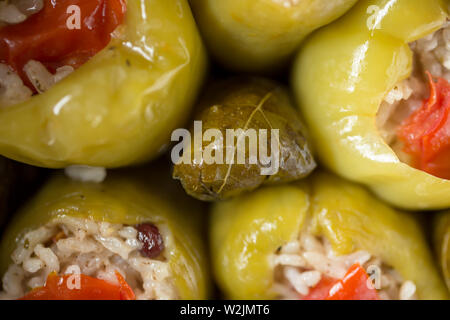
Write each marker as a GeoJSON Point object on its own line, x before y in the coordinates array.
{"type": "Point", "coordinates": [246, 133]}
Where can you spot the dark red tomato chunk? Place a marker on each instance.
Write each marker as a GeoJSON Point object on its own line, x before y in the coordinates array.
{"type": "Point", "coordinates": [47, 38]}
{"type": "Point", "coordinates": [151, 239]}
{"type": "Point", "coordinates": [57, 288]}
{"type": "Point", "coordinates": [426, 133]}
{"type": "Point", "coordinates": [321, 290]}
{"type": "Point", "coordinates": [354, 286]}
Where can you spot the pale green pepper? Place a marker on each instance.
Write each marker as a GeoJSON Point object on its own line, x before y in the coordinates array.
{"type": "Point", "coordinates": [121, 106]}
{"type": "Point", "coordinates": [248, 230]}
{"type": "Point", "coordinates": [261, 35]}
{"type": "Point", "coordinates": [341, 76]}
{"type": "Point", "coordinates": [129, 199]}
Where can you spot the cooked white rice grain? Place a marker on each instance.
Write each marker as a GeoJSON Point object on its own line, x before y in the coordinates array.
{"type": "Point", "coordinates": [128, 232]}
{"type": "Point", "coordinates": [66, 246]}
{"type": "Point", "coordinates": [28, 7]}
{"type": "Point", "coordinates": [39, 76]}
{"type": "Point", "coordinates": [35, 282]}
{"type": "Point", "coordinates": [48, 257]}
{"type": "Point", "coordinates": [330, 267]}
{"type": "Point", "coordinates": [62, 73]}
{"type": "Point", "coordinates": [12, 282]}
{"type": "Point", "coordinates": [17, 11]}
{"type": "Point", "coordinates": [33, 265]}
{"type": "Point", "coordinates": [115, 245]}
{"type": "Point", "coordinates": [295, 277]}
{"type": "Point", "coordinates": [10, 14]}
{"type": "Point", "coordinates": [86, 173]}
{"type": "Point", "coordinates": [407, 290]}
{"type": "Point", "coordinates": [12, 89]}
{"type": "Point", "coordinates": [290, 247]}
{"type": "Point", "coordinates": [293, 260]}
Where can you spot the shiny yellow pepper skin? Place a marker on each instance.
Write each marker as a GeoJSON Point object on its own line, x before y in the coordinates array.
{"type": "Point", "coordinates": [124, 200]}
{"type": "Point", "coordinates": [261, 35]}
{"type": "Point", "coordinates": [441, 235]}
{"type": "Point", "coordinates": [246, 231]}
{"type": "Point", "coordinates": [122, 105]}
{"type": "Point", "coordinates": [341, 76]}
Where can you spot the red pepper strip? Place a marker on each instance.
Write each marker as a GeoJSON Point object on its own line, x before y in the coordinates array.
{"type": "Point", "coordinates": [321, 290]}
{"type": "Point", "coordinates": [126, 293]}
{"type": "Point", "coordinates": [46, 37]}
{"type": "Point", "coordinates": [352, 287]}
{"type": "Point", "coordinates": [426, 133]}
{"type": "Point", "coordinates": [58, 288]}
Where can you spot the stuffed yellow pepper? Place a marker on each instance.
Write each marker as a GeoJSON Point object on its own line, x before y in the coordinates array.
{"type": "Point", "coordinates": [441, 234]}
{"type": "Point", "coordinates": [95, 82]}
{"type": "Point", "coordinates": [261, 35]}
{"type": "Point", "coordinates": [374, 90]}
{"type": "Point", "coordinates": [121, 239]}
{"type": "Point", "coordinates": [320, 239]}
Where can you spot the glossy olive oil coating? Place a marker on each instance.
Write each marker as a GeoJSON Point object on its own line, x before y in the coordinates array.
{"type": "Point", "coordinates": [261, 35]}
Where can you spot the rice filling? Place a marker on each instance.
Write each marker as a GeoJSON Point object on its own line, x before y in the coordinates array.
{"type": "Point", "coordinates": [16, 85]}
{"type": "Point", "coordinates": [17, 11]}
{"type": "Point", "coordinates": [14, 91]}
{"type": "Point", "coordinates": [432, 54]}
{"type": "Point", "coordinates": [301, 264]}
{"type": "Point", "coordinates": [96, 249]}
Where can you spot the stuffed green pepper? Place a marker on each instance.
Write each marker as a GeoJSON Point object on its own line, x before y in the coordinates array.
{"type": "Point", "coordinates": [246, 133]}
{"type": "Point", "coordinates": [374, 90]}
{"type": "Point", "coordinates": [121, 239]}
{"type": "Point", "coordinates": [261, 35]}
{"type": "Point", "coordinates": [95, 82]}
{"type": "Point", "coordinates": [441, 234]}
{"type": "Point", "coordinates": [320, 239]}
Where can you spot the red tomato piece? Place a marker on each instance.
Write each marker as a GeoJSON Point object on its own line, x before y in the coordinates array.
{"type": "Point", "coordinates": [58, 288]}
{"type": "Point", "coordinates": [46, 37]}
{"type": "Point", "coordinates": [426, 133]}
{"type": "Point", "coordinates": [354, 286]}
